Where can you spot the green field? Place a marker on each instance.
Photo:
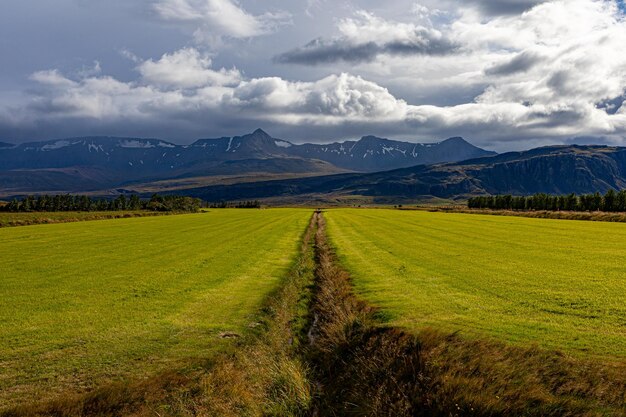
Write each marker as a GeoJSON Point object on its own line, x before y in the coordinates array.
{"type": "Point", "coordinates": [86, 303]}
{"type": "Point", "coordinates": [558, 283]}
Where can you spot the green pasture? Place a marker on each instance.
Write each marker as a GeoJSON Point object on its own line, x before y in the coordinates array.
{"type": "Point", "coordinates": [91, 302]}
{"type": "Point", "coordinates": [560, 284]}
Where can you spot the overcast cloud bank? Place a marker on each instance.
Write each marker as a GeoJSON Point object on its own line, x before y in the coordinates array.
{"type": "Point", "coordinates": [543, 71]}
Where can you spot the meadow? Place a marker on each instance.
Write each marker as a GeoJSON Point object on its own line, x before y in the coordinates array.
{"type": "Point", "coordinates": [558, 284]}
{"type": "Point", "coordinates": [84, 304]}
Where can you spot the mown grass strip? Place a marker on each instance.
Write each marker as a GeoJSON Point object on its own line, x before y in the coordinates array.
{"type": "Point", "coordinates": [556, 283]}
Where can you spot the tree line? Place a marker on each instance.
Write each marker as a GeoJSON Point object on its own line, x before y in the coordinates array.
{"type": "Point", "coordinates": [68, 202]}
{"type": "Point", "coordinates": [612, 201]}
{"type": "Point", "coordinates": [240, 204]}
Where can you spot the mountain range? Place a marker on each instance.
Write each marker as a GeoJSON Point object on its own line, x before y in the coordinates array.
{"type": "Point", "coordinates": [258, 166]}
{"type": "Point", "coordinates": [93, 164]}
{"type": "Point", "coordinates": [553, 170]}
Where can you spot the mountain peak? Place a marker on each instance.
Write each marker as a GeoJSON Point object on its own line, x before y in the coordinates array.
{"type": "Point", "coordinates": [370, 139]}
{"type": "Point", "coordinates": [261, 133]}
{"type": "Point", "coordinates": [257, 137]}
{"type": "Point", "coordinates": [465, 148]}
{"type": "Point", "coordinates": [457, 140]}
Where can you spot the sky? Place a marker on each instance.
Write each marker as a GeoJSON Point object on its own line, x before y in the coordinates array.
{"type": "Point", "coordinates": [504, 74]}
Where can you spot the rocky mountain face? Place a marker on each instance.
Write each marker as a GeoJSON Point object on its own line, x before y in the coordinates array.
{"type": "Point", "coordinates": [555, 170]}
{"type": "Point", "coordinates": [92, 163]}
{"type": "Point", "coordinates": [144, 157]}
{"type": "Point", "coordinates": [371, 154]}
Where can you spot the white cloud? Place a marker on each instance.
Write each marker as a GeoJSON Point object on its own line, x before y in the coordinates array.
{"type": "Point", "coordinates": [551, 73]}
{"type": "Point", "coordinates": [545, 73]}
{"type": "Point", "coordinates": [333, 99]}
{"type": "Point", "coordinates": [52, 78]}
{"type": "Point", "coordinates": [563, 59]}
{"type": "Point", "coordinates": [181, 10]}
{"type": "Point", "coordinates": [219, 18]}
{"type": "Point", "coordinates": [88, 71]}
{"type": "Point", "coordinates": [365, 37]}
{"type": "Point", "coordinates": [186, 68]}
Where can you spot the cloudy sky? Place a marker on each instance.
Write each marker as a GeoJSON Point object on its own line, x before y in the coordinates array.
{"type": "Point", "coordinates": [504, 74]}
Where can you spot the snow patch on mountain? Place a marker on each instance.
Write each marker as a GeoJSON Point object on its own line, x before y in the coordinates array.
{"type": "Point", "coordinates": [56, 145]}
{"type": "Point", "coordinates": [136, 144]}
{"type": "Point", "coordinates": [283, 144]}
{"type": "Point", "coordinates": [96, 148]}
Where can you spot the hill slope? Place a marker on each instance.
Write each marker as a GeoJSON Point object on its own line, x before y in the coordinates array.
{"type": "Point", "coordinates": [371, 154]}
{"type": "Point", "coordinates": [559, 170]}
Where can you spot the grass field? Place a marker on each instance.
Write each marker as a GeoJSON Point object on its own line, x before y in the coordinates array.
{"type": "Point", "coordinates": [558, 283]}
{"type": "Point", "coordinates": [92, 302]}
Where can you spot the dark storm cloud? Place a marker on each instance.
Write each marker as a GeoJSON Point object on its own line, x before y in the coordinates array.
{"type": "Point", "coordinates": [612, 105]}
{"type": "Point", "coordinates": [504, 7]}
{"type": "Point", "coordinates": [560, 82]}
{"type": "Point", "coordinates": [321, 51]}
{"type": "Point", "coordinates": [520, 63]}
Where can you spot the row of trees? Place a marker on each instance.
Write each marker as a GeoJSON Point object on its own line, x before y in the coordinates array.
{"type": "Point", "coordinates": [240, 204]}
{"type": "Point", "coordinates": [612, 201]}
{"type": "Point", "coordinates": [173, 203]}
{"type": "Point", "coordinates": [67, 202]}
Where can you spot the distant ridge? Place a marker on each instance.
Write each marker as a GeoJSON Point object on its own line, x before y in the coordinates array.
{"type": "Point", "coordinates": [554, 170]}
{"type": "Point", "coordinates": [371, 153]}
{"type": "Point", "coordinates": [96, 163]}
